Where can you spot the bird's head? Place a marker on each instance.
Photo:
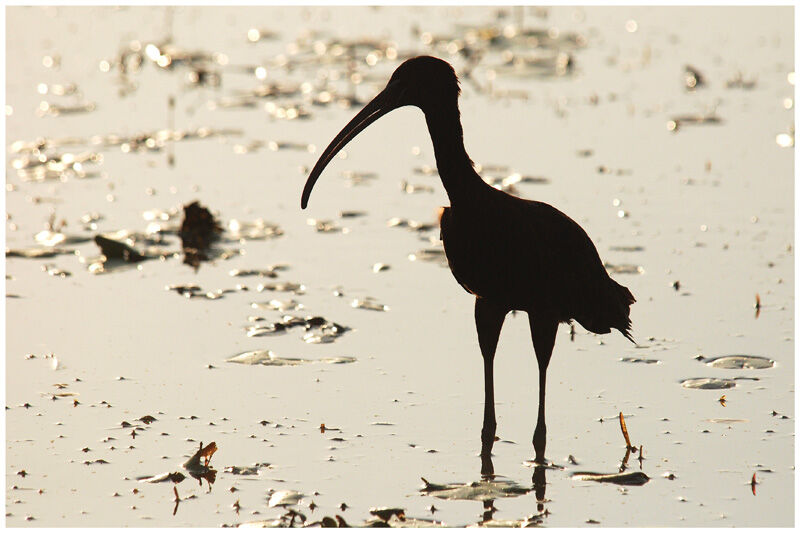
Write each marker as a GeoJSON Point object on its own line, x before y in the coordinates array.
{"type": "Point", "coordinates": [425, 82]}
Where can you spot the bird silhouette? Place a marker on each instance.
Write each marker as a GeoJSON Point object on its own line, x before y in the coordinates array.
{"type": "Point", "coordinates": [510, 253]}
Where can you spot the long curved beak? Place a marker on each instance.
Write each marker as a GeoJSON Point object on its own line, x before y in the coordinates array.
{"type": "Point", "coordinates": [387, 100]}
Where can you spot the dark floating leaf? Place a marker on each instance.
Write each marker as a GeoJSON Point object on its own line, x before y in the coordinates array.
{"type": "Point", "coordinates": [708, 383]}
{"type": "Point", "coordinates": [199, 230]}
{"type": "Point", "coordinates": [740, 362]}
{"type": "Point", "coordinates": [386, 513]}
{"type": "Point", "coordinates": [115, 249]}
{"type": "Point", "coordinates": [625, 478]}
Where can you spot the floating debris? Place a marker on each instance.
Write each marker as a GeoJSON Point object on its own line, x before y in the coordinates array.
{"type": "Point", "coordinates": [482, 491]}
{"type": "Point", "coordinates": [426, 170]}
{"type": "Point", "coordinates": [507, 183]}
{"type": "Point", "coordinates": [327, 331]}
{"type": "Point", "coordinates": [739, 82]}
{"type": "Point", "coordinates": [692, 78]}
{"type": "Point", "coordinates": [430, 255]}
{"type": "Point", "coordinates": [624, 478]}
{"type": "Point", "coordinates": [413, 225]}
{"type": "Point", "coordinates": [741, 362]}
{"type": "Point", "coordinates": [284, 286]}
{"type": "Point", "coordinates": [53, 270]}
{"type": "Point", "coordinates": [685, 120]}
{"type": "Point", "coordinates": [246, 470]}
{"type": "Point", "coordinates": [278, 305]}
{"type": "Point", "coordinates": [194, 291]}
{"type": "Point", "coordinates": [269, 272]}
{"type": "Point", "coordinates": [626, 248]}
{"type": "Point", "coordinates": [52, 239]}
{"type": "Point", "coordinates": [368, 303]}
{"type": "Point", "coordinates": [269, 358]}
{"type": "Point", "coordinates": [157, 140]}
{"type": "Point", "coordinates": [640, 360]}
{"type": "Point", "coordinates": [41, 166]}
{"type": "Point", "coordinates": [352, 214]}
{"type": "Point", "coordinates": [37, 252]}
{"type": "Point", "coordinates": [408, 188]}
{"type": "Point", "coordinates": [193, 467]}
{"type": "Point", "coordinates": [326, 226]}
{"type": "Point", "coordinates": [708, 383]}
{"type": "Point", "coordinates": [283, 498]}
{"type": "Point", "coordinates": [623, 269]}
{"type": "Point", "coordinates": [358, 178]}
{"type": "Point", "coordinates": [380, 267]}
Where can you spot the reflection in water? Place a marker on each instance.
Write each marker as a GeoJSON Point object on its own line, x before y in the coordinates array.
{"type": "Point", "coordinates": [539, 483]}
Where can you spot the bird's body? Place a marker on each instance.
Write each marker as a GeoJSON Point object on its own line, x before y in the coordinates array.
{"type": "Point", "coordinates": [529, 256]}
{"type": "Point", "coordinates": [511, 253]}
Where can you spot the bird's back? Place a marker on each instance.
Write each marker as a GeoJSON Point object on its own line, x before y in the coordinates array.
{"type": "Point", "coordinates": [530, 256]}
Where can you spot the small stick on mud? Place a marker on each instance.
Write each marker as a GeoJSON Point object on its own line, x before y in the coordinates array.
{"type": "Point", "coordinates": [177, 500]}
{"type": "Point", "coordinates": [758, 305]}
{"type": "Point", "coordinates": [753, 484]}
{"type": "Point", "coordinates": [625, 431]}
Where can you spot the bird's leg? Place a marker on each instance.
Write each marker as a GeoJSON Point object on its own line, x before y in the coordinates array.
{"type": "Point", "coordinates": [488, 320]}
{"type": "Point", "coordinates": [543, 331]}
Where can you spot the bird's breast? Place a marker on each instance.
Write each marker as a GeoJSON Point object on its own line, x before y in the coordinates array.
{"type": "Point", "coordinates": [477, 252]}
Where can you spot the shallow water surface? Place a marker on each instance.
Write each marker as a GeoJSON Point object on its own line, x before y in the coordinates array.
{"type": "Point", "coordinates": [118, 374]}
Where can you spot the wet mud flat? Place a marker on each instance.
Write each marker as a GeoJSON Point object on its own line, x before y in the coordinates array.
{"type": "Point", "coordinates": [185, 347]}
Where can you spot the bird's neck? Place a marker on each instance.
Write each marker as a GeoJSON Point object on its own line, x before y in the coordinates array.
{"type": "Point", "coordinates": [454, 165]}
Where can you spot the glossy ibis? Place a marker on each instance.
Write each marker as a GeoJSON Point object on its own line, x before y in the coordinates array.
{"type": "Point", "coordinates": [512, 254]}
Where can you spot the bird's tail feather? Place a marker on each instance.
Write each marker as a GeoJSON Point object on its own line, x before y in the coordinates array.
{"type": "Point", "coordinates": [611, 310]}
{"type": "Point", "coordinates": [624, 299]}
